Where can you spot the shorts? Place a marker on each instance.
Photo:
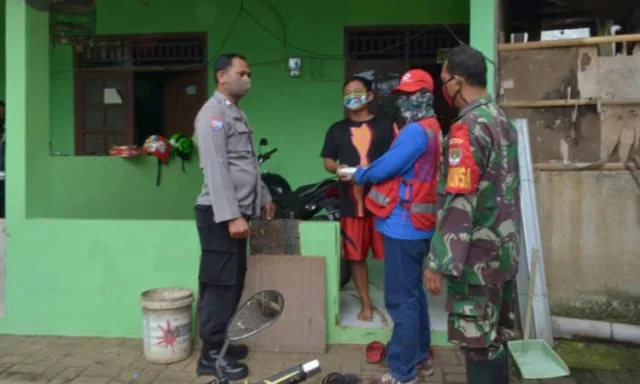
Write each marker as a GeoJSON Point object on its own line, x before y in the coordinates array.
{"type": "Point", "coordinates": [359, 236]}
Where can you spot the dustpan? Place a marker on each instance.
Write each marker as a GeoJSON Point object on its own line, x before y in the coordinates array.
{"type": "Point", "coordinates": [535, 358]}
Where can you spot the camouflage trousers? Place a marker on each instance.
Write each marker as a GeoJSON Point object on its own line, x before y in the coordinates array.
{"type": "Point", "coordinates": [481, 318]}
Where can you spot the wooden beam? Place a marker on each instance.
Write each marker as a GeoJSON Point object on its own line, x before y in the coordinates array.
{"type": "Point", "coordinates": [581, 42]}
{"type": "Point", "coordinates": [553, 167]}
{"type": "Point", "coordinates": [566, 103]}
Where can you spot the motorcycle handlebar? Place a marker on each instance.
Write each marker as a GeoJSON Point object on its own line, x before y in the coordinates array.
{"type": "Point", "coordinates": [265, 156]}
{"type": "Point", "coordinates": [294, 375]}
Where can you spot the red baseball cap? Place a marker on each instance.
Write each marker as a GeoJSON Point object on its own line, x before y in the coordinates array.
{"type": "Point", "coordinates": [413, 81]}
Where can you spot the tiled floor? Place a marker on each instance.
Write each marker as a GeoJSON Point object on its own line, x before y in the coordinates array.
{"type": "Point", "coordinates": [350, 307]}
{"type": "Point", "coordinates": [100, 361]}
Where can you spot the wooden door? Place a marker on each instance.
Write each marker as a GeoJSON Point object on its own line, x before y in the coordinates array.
{"type": "Point", "coordinates": [445, 113]}
{"type": "Point", "coordinates": [385, 75]}
{"type": "Point", "coordinates": [184, 93]}
{"type": "Point", "coordinates": [103, 111]}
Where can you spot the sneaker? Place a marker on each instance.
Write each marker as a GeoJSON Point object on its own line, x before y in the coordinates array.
{"type": "Point", "coordinates": [388, 379]}
{"type": "Point", "coordinates": [426, 367]}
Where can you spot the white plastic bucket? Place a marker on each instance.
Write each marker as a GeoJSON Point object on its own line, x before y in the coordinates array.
{"type": "Point", "coordinates": [166, 324]}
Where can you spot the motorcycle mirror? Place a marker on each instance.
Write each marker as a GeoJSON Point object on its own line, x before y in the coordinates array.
{"type": "Point", "coordinates": [259, 312]}
{"type": "Point", "coordinates": [264, 142]}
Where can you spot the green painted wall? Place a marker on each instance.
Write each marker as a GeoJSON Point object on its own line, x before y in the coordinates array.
{"type": "Point", "coordinates": [484, 35]}
{"type": "Point", "coordinates": [3, 77]}
{"type": "Point", "coordinates": [83, 277]}
{"type": "Point", "coordinates": [293, 113]}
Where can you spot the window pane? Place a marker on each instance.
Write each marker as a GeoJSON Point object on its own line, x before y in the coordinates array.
{"type": "Point", "coordinates": [93, 93]}
{"type": "Point", "coordinates": [114, 118]}
{"type": "Point", "coordinates": [92, 119]}
{"type": "Point", "coordinates": [94, 144]}
{"type": "Point", "coordinates": [115, 139]}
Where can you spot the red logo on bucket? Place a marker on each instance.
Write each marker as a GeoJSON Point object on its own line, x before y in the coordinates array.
{"type": "Point", "coordinates": [168, 338]}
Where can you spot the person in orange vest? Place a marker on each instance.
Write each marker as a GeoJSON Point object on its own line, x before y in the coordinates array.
{"type": "Point", "coordinates": [403, 201]}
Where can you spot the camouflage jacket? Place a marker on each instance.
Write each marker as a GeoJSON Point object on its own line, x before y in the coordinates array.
{"type": "Point", "coordinates": [477, 238]}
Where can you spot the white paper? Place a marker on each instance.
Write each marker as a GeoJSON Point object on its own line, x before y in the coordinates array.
{"type": "Point", "coordinates": [347, 172]}
{"type": "Point", "coordinates": [112, 96]}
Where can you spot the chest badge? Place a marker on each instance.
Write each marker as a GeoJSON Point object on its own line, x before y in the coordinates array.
{"type": "Point", "coordinates": [455, 155]}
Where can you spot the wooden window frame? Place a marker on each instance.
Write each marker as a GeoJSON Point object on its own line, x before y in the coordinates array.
{"type": "Point", "coordinates": [126, 73]}
{"type": "Point", "coordinates": [79, 105]}
{"type": "Point", "coordinates": [459, 28]}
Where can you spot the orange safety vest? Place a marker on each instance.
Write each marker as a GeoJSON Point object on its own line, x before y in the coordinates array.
{"type": "Point", "coordinates": [384, 197]}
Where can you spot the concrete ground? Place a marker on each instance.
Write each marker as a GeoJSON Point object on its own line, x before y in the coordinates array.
{"type": "Point", "coordinates": [100, 361]}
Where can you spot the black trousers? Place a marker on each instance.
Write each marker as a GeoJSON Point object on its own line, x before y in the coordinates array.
{"type": "Point", "coordinates": [223, 267]}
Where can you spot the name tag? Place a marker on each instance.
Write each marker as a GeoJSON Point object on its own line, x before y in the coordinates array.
{"type": "Point", "coordinates": [459, 178]}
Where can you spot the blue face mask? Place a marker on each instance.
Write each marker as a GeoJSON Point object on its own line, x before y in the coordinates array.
{"type": "Point", "coordinates": [355, 100]}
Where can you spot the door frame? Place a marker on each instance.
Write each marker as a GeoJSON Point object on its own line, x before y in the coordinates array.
{"type": "Point", "coordinates": [409, 63]}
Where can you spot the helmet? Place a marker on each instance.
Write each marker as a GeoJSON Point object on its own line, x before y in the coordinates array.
{"type": "Point", "coordinates": [159, 147]}
{"type": "Point", "coordinates": [182, 146]}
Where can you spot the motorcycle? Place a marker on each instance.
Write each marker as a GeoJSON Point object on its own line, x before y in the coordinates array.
{"type": "Point", "coordinates": [305, 202]}
{"type": "Point", "coordinates": [262, 310]}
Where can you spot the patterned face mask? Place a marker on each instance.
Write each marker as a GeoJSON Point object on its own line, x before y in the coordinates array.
{"type": "Point", "coordinates": [355, 100]}
{"type": "Point", "coordinates": [416, 106]}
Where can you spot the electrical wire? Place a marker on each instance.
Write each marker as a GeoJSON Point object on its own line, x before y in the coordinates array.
{"type": "Point", "coordinates": [453, 34]}
{"type": "Point", "coordinates": [283, 26]}
{"type": "Point", "coordinates": [233, 26]}
{"type": "Point", "coordinates": [308, 53]}
{"type": "Point", "coordinates": [317, 55]}
{"type": "Point", "coordinates": [283, 40]}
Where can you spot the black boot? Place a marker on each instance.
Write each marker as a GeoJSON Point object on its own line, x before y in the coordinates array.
{"type": "Point", "coordinates": [231, 369]}
{"type": "Point", "coordinates": [491, 371]}
{"type": "Point", "coordinates": [237, 351]}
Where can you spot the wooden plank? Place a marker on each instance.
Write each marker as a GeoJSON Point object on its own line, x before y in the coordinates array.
{"type": "Point", "coordinates": [577, 167]}
{"type": "Point", "coordinates": [580, 42]}
{"type": "Point", "coordinates": [620, 129]}
{"type": "Point", "coordinates": [301, 280]}
{"type": "Point", "coordinates": [588, 79]}
{"type": "Point", "coordinates": [555, 135]}
{"type": "Point", "coordinates": [548, 74]}
{"type": "Point", "coordinates": [619, 77]}
{"type": "Point", "coordinates": [568, 103]}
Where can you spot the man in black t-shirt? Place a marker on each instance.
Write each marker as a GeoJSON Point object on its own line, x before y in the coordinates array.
{"type": "Point", "coordinates": [358, 141]}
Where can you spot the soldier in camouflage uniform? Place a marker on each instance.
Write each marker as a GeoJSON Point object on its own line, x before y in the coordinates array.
{"type": "Point", "coordinates": [475, 249]}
